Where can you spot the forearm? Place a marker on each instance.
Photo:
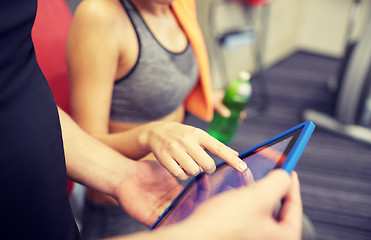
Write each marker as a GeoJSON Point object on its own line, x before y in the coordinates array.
{"type": "Point", "coordinates": [179, 231]}
{"type": "Point", "coordinates": [131, 143]}
{"type": "Point", "coordinates": [90, 162]}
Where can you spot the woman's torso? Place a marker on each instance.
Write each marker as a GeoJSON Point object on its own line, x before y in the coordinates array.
{"type": "Point", "coordinates": [154, 76]}
{"type": "Point", "coordinates": [154, 80]}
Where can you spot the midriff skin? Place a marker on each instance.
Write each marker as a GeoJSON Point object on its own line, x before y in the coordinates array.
{"type": "Point", "coordinates": [176, 116]}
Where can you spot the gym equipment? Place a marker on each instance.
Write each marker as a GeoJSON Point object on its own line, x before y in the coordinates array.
{"type": "Point", "coordinates": [244, 33]}
{"type": "Point", "coordinates": [352, 107]}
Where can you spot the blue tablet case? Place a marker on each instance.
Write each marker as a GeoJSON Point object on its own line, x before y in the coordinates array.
{"type": "Point", "coordinates": [297, 149]}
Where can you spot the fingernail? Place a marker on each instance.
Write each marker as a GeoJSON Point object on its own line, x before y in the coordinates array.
{"type": "Point", "coordinates": [242, 166]}
{"type": "Point", "coordinates": [183, 177]}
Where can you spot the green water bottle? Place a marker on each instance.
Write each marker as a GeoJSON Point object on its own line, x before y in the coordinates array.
{"type": "Point", "coordinates": [235, 99]}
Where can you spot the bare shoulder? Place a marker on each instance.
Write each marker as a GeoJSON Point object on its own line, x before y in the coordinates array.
{"type": "Point", "coordinates": [100, 13]}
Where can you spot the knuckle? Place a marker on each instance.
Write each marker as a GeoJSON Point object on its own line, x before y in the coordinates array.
{"type": "Point", "coordinates": [219, 149]}
{"type": "Point", "coordinates": [209, 167]}
{"type": "Point", "coordinates": [184, 140]}
{"type": "Point", "coordinates": [179, 141]}
{"type": "Point", "coordinates": [196, 132]}
{"type": "Point", "coordinates": [180, 174]}
{"type": "Point", "coordinates": [172, 145]}
{"type": "Point", "coordinates": [194, 171]}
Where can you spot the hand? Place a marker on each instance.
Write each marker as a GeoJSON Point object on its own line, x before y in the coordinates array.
{"type": "Point", "coordinates": [180, 149]}
{"type": "Point", "coordinates": [147, 191]}
{"type": "Point", "coordinates": [248, 212]}
{"type": "Point", "coordinates": [220, 108]}
{"type": "Point", "coordinates": [205, 188]}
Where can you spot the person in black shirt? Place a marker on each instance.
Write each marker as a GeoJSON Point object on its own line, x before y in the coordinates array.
{"type": "Point", "coordinates": [40, 145]}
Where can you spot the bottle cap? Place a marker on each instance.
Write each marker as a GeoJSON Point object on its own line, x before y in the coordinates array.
{"type": "Point", "coordinates": [244, 75]}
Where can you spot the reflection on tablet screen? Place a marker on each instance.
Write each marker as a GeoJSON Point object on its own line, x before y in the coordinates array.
{"type": "Point", "coordinates": [260, 162]}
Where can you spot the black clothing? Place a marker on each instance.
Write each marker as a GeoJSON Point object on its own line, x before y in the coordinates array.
{"type": "Point", "coordinates": [34, 200]}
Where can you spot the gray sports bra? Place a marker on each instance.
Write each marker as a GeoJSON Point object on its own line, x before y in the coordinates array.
{"type": "Point", "coordinates": [158, 83]}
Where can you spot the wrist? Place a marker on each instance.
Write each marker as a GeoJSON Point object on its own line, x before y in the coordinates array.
{"type": "Point", "coordinates": [147, 133]}
{"type": "Point", "coordinates": [119, 178]}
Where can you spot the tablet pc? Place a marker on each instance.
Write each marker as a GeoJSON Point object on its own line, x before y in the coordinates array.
{"type": "Point", "coordinates": [282, 151]}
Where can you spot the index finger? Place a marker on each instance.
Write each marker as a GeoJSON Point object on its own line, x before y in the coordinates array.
{"type": "Point", "coordinates": [227, 154]}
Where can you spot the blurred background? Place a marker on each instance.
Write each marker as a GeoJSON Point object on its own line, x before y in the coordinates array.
{"type": "Point", "coordinates": [310, 59]}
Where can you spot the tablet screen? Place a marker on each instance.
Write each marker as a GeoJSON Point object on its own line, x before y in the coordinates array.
{"type": "Point", "coordinates": [260, 162]}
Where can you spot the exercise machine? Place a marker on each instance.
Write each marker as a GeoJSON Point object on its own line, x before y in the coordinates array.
{"type": "Point", "coordinates": [352, 107]}
{"type": "Point", "coordinates": [251, 32]}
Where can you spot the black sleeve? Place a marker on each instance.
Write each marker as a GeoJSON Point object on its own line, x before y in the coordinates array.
{"type": "Point", "coordinates": [34, 200]}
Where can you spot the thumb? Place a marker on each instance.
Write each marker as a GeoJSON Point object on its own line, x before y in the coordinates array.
{"type": "Point", "coordinates": [222, 110]}
{"type": "Point", "coordinates": [273, 187]}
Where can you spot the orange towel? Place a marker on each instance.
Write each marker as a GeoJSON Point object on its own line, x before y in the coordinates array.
{"type": "Point", "coordinates": [199, 101]}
